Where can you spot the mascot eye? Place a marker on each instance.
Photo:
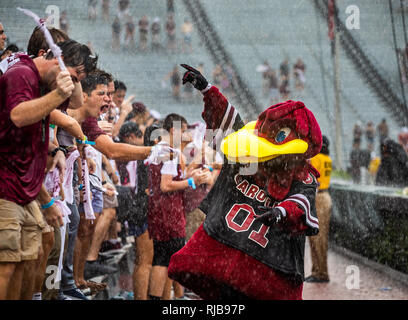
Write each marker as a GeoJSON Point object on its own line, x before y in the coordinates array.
{"type": "Point", "coordinates": [282, 134]}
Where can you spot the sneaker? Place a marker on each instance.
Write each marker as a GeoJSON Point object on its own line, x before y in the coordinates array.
{"type": "Point", "coordinates": [184, 297]}
{"type": "Point", "coordinates": [76, 294]}
{"type": "Point", "coordinates": [316, 280]}
{"type": "Point", "coordinates": [62, 296]}
{"type": "Point", "coordinates": [96, 287]}
{"type": "Point", "coordinates": [95, 269]}
{"type": "Point", "coordinates": [109, 246]}
{"type": "Point", "coordinates": [91, 287]}
{"type": "Point", "coordinates": [129, 295]}
{"type": "Point", "coordinates": [105, 258]}
{"type": "Point", "coordinates": [191, 295]}
{"type": "Point", "coordinates": [123, 295]}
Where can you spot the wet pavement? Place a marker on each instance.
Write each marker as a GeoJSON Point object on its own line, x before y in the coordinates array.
{"type": "Point", "coordinates": [352, 279]}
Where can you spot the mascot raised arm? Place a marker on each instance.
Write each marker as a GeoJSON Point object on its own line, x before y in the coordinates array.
{"type": "Point", "coordinates": [262, 206]}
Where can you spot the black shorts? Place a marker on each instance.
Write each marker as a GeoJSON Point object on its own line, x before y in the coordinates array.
{"type": "Point", "coordinates": [131, 207]}
{"type": "Point", "coordinates": [163, 250]}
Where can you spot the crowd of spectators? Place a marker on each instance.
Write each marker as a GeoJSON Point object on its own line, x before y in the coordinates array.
{"type": "Point", "coordinates": [276, 86]}
{"type": "Point", "coordinates": [390, 167]}
{"type": "Point", "coordinates": [89, 176]}
{"type": "Point", "coordinates": [156, 34]}
{"type": "Point", "coordinates": [94, 168]}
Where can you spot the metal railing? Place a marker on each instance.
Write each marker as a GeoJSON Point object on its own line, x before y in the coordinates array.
{"type": "Point", "coordinates": [380, 86]}
{"type": "Point", "coordinates": [212, 41]}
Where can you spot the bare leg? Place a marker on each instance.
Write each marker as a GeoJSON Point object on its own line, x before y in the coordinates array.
{"type": "Point", "coordinates": [14, 285]}
{"type": "Point", "coordinates": [47, 244]}
{"type": "Point", "coordinates": [113, 230]}
{"type": "Point", "coordinates": [143, 266]}
{"type": "Point", "coordinates": [29, 275]}
{"type": "Point", "coordinates": [86, 229]}
{"type": "Point", "coordinates": [167, 289]}
{"type": "Point", "coordinates": [7, 270]}
{"type": "Point", "coordinates": [101, 230]}
{"type": "Point", "coordinates": [158, 279]}
{"type": "Point", "coordinates": [178, 289]}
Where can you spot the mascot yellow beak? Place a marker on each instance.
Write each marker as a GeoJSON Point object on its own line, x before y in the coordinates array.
{"type": "Point", "coordinates": [244, 146]}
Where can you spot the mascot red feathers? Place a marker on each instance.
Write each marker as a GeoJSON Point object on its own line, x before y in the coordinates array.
{"type": "Point", "coordinates": [251, 244]}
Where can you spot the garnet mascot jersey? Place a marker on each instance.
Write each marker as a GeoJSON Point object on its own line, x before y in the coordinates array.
{"type": "Point", "coordinates": [230, 207]}
{"type": "Point", "coordinates": [232, 253]}
{"type": "Point", "coordinates": [234, 199]}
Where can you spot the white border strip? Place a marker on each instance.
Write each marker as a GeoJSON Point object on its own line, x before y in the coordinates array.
{"type": "Point", "coordinates": [310, 220]}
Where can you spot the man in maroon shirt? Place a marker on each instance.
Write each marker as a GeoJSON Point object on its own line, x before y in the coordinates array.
{"type": "Point", "coordinates": [24, 121]}
{"type": "Point", "coordinates": [37, 46]}
{"type": "Point", "coordinates": [166, 216]}
{"type": "Point", "coordinates": [95, 92]}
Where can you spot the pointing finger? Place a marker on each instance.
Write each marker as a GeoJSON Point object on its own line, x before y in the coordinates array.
{"type": "Point", "coordinates": [186, 66]}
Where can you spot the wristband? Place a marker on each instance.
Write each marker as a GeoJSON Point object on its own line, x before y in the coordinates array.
{"type": "Point", "coordinates": [63, 149]}
{"type": "Point", "coordinates": [49, 204]}
{"type": "Point", "coordinates": [208, 87]}
{"type": "Point", "coordinates": [191, 183]}
{"type": "Point", "coordinates": [85, 141]}
{"type": "Point", "coordinates": [54, 152]}
{"type": "Point", "coordinates": [208, 167]}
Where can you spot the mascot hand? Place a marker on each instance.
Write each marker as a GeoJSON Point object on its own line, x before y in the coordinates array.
{"type": "Point", "coordinates": [194, 77]}
{"type": "Point", "coordinates": [271, 217]}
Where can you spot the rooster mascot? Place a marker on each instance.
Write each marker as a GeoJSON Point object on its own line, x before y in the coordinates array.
{"type": "Point", "coordinates": [262, 206]}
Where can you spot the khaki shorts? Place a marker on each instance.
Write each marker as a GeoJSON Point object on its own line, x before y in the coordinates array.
{"type": "Point", "coordinates": [109, 202]}
{"type": "Point", "coordinates": [194, 219]}
{"type": "Point", "coordinates": [20, 231]}
{"type": "Point", "coordinates": [47, 227]}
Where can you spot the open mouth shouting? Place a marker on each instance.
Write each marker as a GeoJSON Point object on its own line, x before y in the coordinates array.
{"type": "Point", "coordinates": [104, 108]}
